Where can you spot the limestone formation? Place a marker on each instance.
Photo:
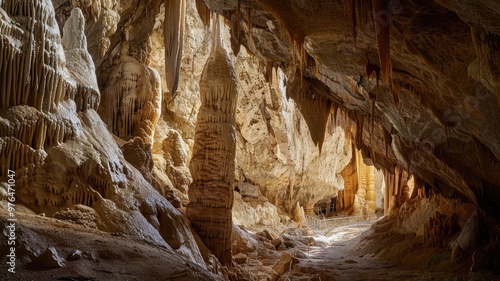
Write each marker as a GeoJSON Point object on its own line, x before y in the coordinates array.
{"type": "Point", "coordinates": [212, 164]}
{"type": "Point", "coordinates": [132, 98]}
{"type": "Point", "coordinates": [176, 156]}
{"type": "Point", "coordinates": [359, 194]}
{"type": "Point", "coordinates": [255, 213]}
{"type": "Point", "coordinates": [275, 150]}
{"type": "Point", "coordinates": [66, 162]}
{"type": "Point", "coordinates": [335, 99]}
{"type": "Point", "coordinates": [396, 189]}
{"type": "Point", "coordinates": [311, 100]}
{"type": "Point", "coordinates": [173, 30]}
{"type": "Point", "coordinates": [298, 214]}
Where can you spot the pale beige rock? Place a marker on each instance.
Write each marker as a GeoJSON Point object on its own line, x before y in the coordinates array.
{"type": "Point", "coordinates": [64, 155]}
{"type": "Point", "coordinates": [248, 190]}
{"type": "Point", "coordinates": [242, 241]}
{"type": "Point", "coordinates": [299, 215]}
{"type": "Point", "coordinates": [275, 150]}
{"type": "Point", "coordinates": [255, 214]}
{"type": "Point", "coordinates": [131, 101]}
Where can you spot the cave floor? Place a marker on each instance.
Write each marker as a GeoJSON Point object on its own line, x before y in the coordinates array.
{"type": "Point", "coordinates": [105, 256]}
{"type": "Point", "coordinates": [334, 257]}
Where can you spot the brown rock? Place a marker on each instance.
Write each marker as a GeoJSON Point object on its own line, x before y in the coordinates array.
{"type": "Point", "coordinates": [285, 263]}
{"type": "Point", "coordinates": [276, 242]}
{"type": "Point", "coordinates": [49, 259]}
{"type": "Point", "coordinates": [240, 258]}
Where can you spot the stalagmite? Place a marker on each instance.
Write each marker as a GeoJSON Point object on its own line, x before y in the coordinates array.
{"type": "Point", "coordinates": [212, 164]}
{"type": "Point", "coordinates": [79, 62]}
{"type": "Point", "coordinates": [175, 14]}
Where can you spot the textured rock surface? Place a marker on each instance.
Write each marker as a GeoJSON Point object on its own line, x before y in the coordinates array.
{"type": "Point", "coordinates": [61, 151]}
{"type": "Point", "coordinates": [414, 85]}
{"type": "Point", "coordinates": [212, 164]}
{"type": "Point", "coordinates": [275, 150]}
{"type": "Point", "coordinates": [430, 113]}
{"type": "Point", "coordinates": [255, 213]}
{"type": "Point", "coordinates": [131, 101]}
{"type": "Point", "coordinates": [432, 121]}
{"type": "Point", "coordinates": [359, 193]}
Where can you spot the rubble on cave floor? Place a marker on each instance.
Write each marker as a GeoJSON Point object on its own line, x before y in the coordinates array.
{"type": "Point", "coordinates": [53, 249]}
{"type": "Point", "coordinates": [339, 253]}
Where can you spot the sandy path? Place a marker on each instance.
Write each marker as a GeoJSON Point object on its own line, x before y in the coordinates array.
{"type": "Point", "coordinates": [333, 259]}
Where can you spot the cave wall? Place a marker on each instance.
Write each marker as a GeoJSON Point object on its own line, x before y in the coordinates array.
{"type": "Point", "coordinates": [432, 112]}
{"type": "Point", "coordinates": [68, 165]}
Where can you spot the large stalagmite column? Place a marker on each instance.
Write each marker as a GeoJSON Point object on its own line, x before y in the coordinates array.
{"type": "Point", "coordinates": [212, 164]}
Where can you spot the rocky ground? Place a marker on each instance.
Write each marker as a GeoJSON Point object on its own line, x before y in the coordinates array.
{"type": "Point", "coordinates": [86, 254]}
{"type": "Point", "coordinates": [355, 251]}
{"type": "Point", "coordinates": [347, 253]}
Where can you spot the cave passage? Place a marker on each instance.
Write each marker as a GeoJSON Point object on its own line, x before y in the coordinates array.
{"type": "Point", "coordinates": [249, 140]}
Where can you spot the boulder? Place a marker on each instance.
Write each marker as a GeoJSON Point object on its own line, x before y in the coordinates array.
{"type": "Point", "coordinates": [285, 263]}
{"type": "Point", "coordinates": [240, 258]}
{"type": "Point", "coordinates": [49, 259]}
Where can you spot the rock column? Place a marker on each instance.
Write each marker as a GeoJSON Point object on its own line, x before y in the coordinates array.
{"type": "Point", "coordinates": [212, 164]}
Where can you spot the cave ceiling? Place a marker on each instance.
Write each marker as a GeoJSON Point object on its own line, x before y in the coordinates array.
{"type": "Point", "coordinates": [436, 103]}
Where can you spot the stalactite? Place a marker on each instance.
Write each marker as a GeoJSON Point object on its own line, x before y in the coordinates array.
{"type": "Point", "coordinates": [372, 118]}
{"type": "Point", "coordinates": [212, 164]}
{"type": "Point", "coordinates": [15, 155]}
{"type": "Point", "coordinates": [203, 12]}
{"type": "Point", "coordinates": [37, 71]}
{"type": "Point", "coordinates": [311, 99]}
{"type": "Point", "coordinates": [395, 89]}
{"type": "Point", "coordinates": [358, 10]}
{"type": "Point", "coordinates": [250, 25]}
{"type": "Point", "coordinates": [358, 142]}
{"type": "Point", "coordinates": [335, 112]}
{"type": "Point", "coordinates": [371, 69]}
{"type": "Point", "coordinates": [382, 20]}
{"type": "Point", "coordinates": [175, 13]}
{"type": "Point", "coordinates": [387, 140]}
{"type": "Point", "coordinates": [41, 78]}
